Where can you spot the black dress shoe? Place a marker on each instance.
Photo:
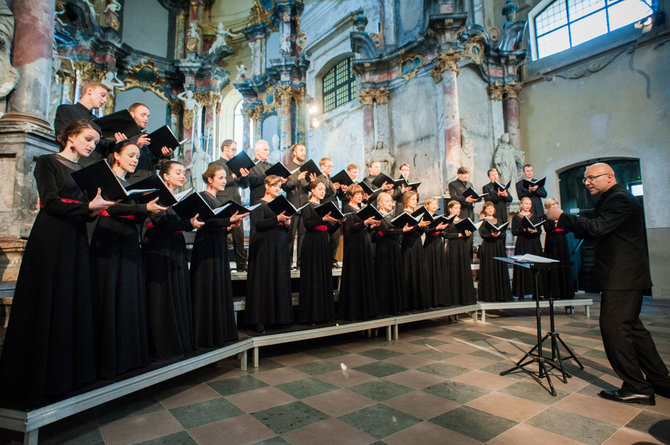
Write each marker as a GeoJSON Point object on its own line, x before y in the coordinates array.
{"type": "Point", "coordinates": [620, 395]}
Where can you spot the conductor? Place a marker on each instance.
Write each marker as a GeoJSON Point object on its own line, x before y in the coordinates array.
{"type": "Point", "coordinates": [622, 270]}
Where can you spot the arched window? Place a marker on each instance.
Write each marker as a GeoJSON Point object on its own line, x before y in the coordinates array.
{"type": "Point", "coordinates": [238, 129]}
{"type": "Point", "coordinates": [339, 86]}
{"type": "Point", "coordinates": [562, 24]}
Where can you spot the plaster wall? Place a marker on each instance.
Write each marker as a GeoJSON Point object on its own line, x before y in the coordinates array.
{"type": "Point", "coordinates": [415, 133]}
{"type": "Point", "coordinates": [145, 26]}
{"type": "Point", "coordinates": [621, 110]}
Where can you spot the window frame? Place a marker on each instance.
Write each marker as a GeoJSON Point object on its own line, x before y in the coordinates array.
{"type": "Point", "coordinates": [349, 84]}
{"type": "Point", "coordinates": [573, 54]}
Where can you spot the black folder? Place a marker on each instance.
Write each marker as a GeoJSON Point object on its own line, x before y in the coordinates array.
{"type": "Point", "coordinates": [467, 224]}
{"type": "Point", "coordinates": [281, 204]}
{"type": "Point", "coordinates": [279, 169]}
{"type": "Point", "coordinates": [230, 207]}
{"type": "Point", "coordinates": [163, 137]}
{"type": "Point", "coordinates": [367, 189]}
{"type": "Point", "coordinates": [163, 192]}
{"type": "Point", "coordinates": [119, 122]}
{"type": "Point", "coordinates": [526, 222]}
{"type": "Point", "coordinates": [404, 219]}
{"type": "Point", "coordinates": [99, 175]}
{"type": "Point", "coordinates": [194, 204]}
{"type": "Point", "coordinates": [499, 228]}
{"type": "Point", "coordinates": [310, 167]}
{"type": "Point", "coordinates": [380, 179]}
{"type": "Point", "coordinates": [422, 213]}
{"type": "Point", "coordinates": [538, 182]}
{"type": "Point", "coordinates": [240, 161]}
{"type": "Point", "coordinates": [471, 192]}
{"type": "Point", "coordinates": [441, 219]}
{"type": "Point", "coordinates": [342, 178]}
{"type": "Point", "coordinates": [327, 208]}
{"type": "Point", "coordinates": [501, 187]}
{"type": "Point", "coordinates": [369, 211]}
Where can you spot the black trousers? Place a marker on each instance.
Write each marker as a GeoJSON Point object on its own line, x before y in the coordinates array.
{"type": "Point", "coordinates": [238, 246]}
{"type": "Point", "coordinates": [628, 345]}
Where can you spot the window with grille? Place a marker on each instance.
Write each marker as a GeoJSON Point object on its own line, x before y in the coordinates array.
{"type": "Point", "coordinates": [564, 24]}
{"type": "Point", "coordinates": [339, 86]}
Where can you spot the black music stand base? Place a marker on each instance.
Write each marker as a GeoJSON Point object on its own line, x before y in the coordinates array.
{"type": "Point", "coordinates": [535, 355]}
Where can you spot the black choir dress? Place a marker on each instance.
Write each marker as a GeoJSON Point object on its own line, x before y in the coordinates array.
{"type": "Point", "coordinates": [493, 274]}
{"type": "Point", "coordinates": [558, 281]}
{"type": "Point", "coordinates": [388, 269]}
{"type": "Point", "coordinates": [357, 290]}
{"type": "Point", "coordinates": [316, 274]}
{"type": "Point", "coordinates": [268, 299]}
{"type": "Point", "coordinates": [412, 262]}
{"type": "Point", "coordinates": [459, 268]}
{"type": "Point", "coordinates": [49, 347]}
{"type": "Point", "coordinates": [168, 286]}
{"type": "Point", "coordinates": [435, 291]}
{"type": "Point", "coordinates": [119, 275]}
{"type": "Point", "coordinates": [526, 242]}
{"type": "Point", "coordinates": [211, 288]}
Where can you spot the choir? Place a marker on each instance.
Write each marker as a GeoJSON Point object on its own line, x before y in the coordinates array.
{"type": "Point", "coordinates": [85, 312]}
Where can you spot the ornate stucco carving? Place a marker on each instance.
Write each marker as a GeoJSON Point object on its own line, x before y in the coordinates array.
{"type": "Point", "coordinates": [445, 61]}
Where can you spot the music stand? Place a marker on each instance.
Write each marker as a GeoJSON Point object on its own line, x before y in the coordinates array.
{"type": "Point", "coordinates": [556, 337]}
{"type": "Point", "coordinates": [544, 363]}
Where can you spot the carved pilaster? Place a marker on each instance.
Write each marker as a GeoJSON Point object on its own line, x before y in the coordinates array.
{"type": "Point", "coordinates": [174, 106]}
{"type": "Point", "coordinates": [207, 99]}
{"type": "Point", "coordinates": [248, 112]}
{"type": "Point", "coordinates": [496, 92]}
{"type": "Point", "coordinates": [188, 119]}
{"type": "Point", "coordinates": [382, 96]}
{"type": "Point", "coordinates": [366, 96]}
{"type": "Point", "coordinates": [511, 90]}
{"type": "Point", "coordinates": [445, 61]}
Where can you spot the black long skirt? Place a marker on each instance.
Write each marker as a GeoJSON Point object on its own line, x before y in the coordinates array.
{"type": "Point", "coordinates": [316, 279]}
{"type": "Point", "coordinates": [211, 289]}
{"type": "Point", "coordinates": [357, 291]}
{"type": "Point", "coordinates": [435, 291]}
{"type": "Point", "coordinates": [493, 274]}
{"type": "Point", "coordinates": [460, 271]}
{"type": "Point", "coordinates": [412, 262]}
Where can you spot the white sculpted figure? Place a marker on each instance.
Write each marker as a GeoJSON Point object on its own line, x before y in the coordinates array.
{"type": "Point", "coordinates": [242, 72]}
{"type": "Point", "coordinates": [506, 158]}
{"type": "Point", "coordinates": [193, 31]}
{"type": "Point", "coordinates": [189, 102]}
{"type": "Point", "coordinates": [113, 6]}
{"type": "Point", "coordinates": [111, 81]}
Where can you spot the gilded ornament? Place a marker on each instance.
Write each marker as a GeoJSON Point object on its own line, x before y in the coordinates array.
{"type": "Point", "coordinates": [410, 64]}
{"type": "Point", "coordinates": [511, 90]}
{"type": "Point", "coordinates": [366, 96]}
{"type": "Point", "coordinates": [299, 95]}
{"type": "Point", "coordinates": [145, 76]}
{"type": "Point", "coordinates": [284, 94]}
{"type": "Point", "coordinates": [188, 119]}
{"type": "Point", "coordinates": [496, 91]}
{"type": "Point", "coordinates": [445, 61]}
{"type": "Point", "coordinates": [382, 96]}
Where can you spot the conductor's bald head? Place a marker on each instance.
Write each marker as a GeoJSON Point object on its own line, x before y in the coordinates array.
{"type": "Point", "coordinates": [599, 178]}
{"type": "Point", "coordinates": [262, 149]}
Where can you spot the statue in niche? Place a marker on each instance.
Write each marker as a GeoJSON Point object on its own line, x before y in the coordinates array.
{"type": "Point", "coordinates": [111, 81]}
{"type": "Point", "coordinates": [467, 147]}
{"type": "Point", "coordinates": [242, 72]}
{"type": "Point", "coordinates": [193, 37]}
{"type": "Point", "coordinates": [189, 102]}
{"type": "Point", "coordinates": [8, 74]}
{"type": "Point", "coordinates": [507, 159]}
{"type": "Point", "coordinates": [286, 45]}
{"type": "Point", "coordinates": [384, 157]}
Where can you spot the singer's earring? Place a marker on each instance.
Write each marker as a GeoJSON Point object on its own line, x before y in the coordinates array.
{"type": "Point", "coordinates": [118, 162]}
{"type": "Point", "coordinates": [72, 147]}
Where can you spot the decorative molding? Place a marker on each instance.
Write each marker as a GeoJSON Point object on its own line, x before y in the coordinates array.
{"type": "Point", "coordinates": [207, 99]}
{"type": "Point", "coordinates": [257, 114]}
{"type": "Point", "coordinates": [188, 119]}
{"type": "Point", "coordinates": [88, 71]}
{"type": "Point", "coordinates": [474, 49]}
{"type": "Point", "coordinates": [382, 96]}
{"type": "Point", "coordinates": [284, 94]}
{"type": "Point", "coordinates": [299, 95]}
{"type": "Point", "coordinates": [445, 61]}
{"type": "Point", "coordinates": [145, 76]}
{"type": "Point", "coordinates": [410, 64]}
{"type": "Point", "coordinates": [247, 112]}
{"type": "Point", "coordinates": [174, 106]}
{"type": "Point", "coordinates": [511, 90]}
{"type": "Point", "coordinates": [495, 92]}
{"type": "Point", "coordinates": [366, 96]}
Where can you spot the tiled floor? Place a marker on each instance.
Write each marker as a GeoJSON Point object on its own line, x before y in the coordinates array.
{"type": "Point", "coordinates": [438, 384]}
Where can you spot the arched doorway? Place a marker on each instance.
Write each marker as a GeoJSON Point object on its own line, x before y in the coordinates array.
{"type": "Point", "coordinates": [576, 199]}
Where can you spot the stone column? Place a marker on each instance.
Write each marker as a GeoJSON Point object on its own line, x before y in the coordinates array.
{"type": "Point", "coordinates": [366, 97]}
{"type": "Point", "coordinates": [495, 91]}
{"type": "Point", "coordinates": [382, 117]}
{"type": "Point", "coordinates": [247, 112]}
{"type": "Point", "coordinates": [32, 57]}
{"type": "Point", "coordinates": [301, 115]}
{"type": "Point", "coordinates": [284, 98]}
{"type": "Point", "coordinates": [445, 71]}
{"type": "Point", "coordinates": [208, 101]}
{"type": "Point", "coordinates": [258, 123]}
{"type": "Point", "coordinates": [511, 111]}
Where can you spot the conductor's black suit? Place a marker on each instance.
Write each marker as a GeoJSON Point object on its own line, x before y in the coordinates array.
{"type": "Point", "coordinates": [622, 272]}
